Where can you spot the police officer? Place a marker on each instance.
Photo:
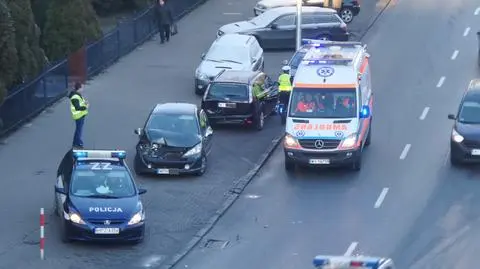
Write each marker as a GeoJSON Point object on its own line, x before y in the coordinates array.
{"type": "Point", "coordinates": [79, 109]}
{"type": "Point", "coordinates": [285, 85]}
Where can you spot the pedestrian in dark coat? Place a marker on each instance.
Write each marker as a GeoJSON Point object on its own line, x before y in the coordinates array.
{"type": "Point", "coordinates": [164, 17]}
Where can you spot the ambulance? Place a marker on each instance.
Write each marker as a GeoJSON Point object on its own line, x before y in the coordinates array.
{"type": "Point", "coordinates": [329, 114]}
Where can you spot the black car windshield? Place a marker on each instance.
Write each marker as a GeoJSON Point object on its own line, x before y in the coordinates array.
{"type": "Point", "coordinates": [101, 180]}
{"type": "Point", "coordinates": [470, 113]}
{"type": "Point", "coordinates": [174, 123]}
{"type": "Point", "coordinates": [227, 92]}
{"type": "Point", "coordinates": [297, 59]}
{"type": "Point", "coordinates": [323, 103]}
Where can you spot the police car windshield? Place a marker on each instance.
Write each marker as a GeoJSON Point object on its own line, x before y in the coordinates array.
{"type": "Point", "coordinates": [470, 112]}
{"type": "Point", "coordinates": [101, 180]}
{"type": "Point", "coordinates": [174, 123]}
{"type": "Point", "coordinates": [228, 92]}
{"type": "Point", "coordinates": [323, 103]}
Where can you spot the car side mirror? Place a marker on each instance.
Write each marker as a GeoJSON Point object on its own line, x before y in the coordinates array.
{"type": "Point", "coordinates": [274, 26]}
{"type": "Point", "coordinates": [365, 112]}
{"type": "Point", "coordinates": [451, 117]}
{"type": "Point", "coordinates": [209, 131]}
{"type": "Point", "coordinates": [285, 62]}
{"type": "Point", "coordinates": [202, 56]}
{"type": "Point", "coordinates": [142, 191]}
{"type": "Point", "coordinates": [60, 190]}
{"type": "Point", "coordinates": [138, 131]}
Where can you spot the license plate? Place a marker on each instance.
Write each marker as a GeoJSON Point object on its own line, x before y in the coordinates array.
{"type": "Point", "coordinates": [107, 230]}
{"type": "Point", "coordinates": [227, 105]}
{"type": "Point", "coordinates": [319, 161]}
{"type": "Point", "coordinates": [163, 171]}
{"type": "Point", "coordinates": [476, 152]}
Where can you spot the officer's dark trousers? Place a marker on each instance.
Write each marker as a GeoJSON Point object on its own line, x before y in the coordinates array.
{"type": "Point", "coordinates": [77, 137]}
{"type": "Point", "coordinates": [284, 97]}
{"type": "Point", "coordinates": [164, 30]}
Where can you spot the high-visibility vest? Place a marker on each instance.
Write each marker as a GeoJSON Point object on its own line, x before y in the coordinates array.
{"type": "Point", "coordinates": [80, 113]}
{"type": "Point", "coordinates": [284, 83]}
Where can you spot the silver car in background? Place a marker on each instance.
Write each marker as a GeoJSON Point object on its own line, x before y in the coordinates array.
{"type": "Point", "coordinates": [231, 52]}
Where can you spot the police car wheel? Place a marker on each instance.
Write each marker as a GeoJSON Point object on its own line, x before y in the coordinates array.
{"type": "Point", "coordinates": [55, 206]}
{"type": "Point", "coordinates": [289, 166]}
{"type": "Point", "coordinates": [454, 161]}
{"type": "Point", "coordinates": [63, 232]}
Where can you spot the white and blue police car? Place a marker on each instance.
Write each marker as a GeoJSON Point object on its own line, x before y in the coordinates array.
{"type": "Point", "coordinates": [352, 262]}
{"type": "Point", "coordinates": [96, 198]}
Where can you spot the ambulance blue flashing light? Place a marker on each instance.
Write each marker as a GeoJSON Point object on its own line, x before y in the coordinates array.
{"type": "Point", "coordinates": [325, 43]}
{"type": "Point", "coordinates": [320, 261]}
{"type": "Point", "coordinates": [365, 112]}
{"type": "Point", "coordinates": [327, 62]}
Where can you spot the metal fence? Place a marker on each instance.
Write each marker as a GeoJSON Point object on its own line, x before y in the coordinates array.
{"type": "Point", "coordinates": [31, 98]}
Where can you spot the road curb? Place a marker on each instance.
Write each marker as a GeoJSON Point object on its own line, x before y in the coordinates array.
{"type": "Point", "coordinates": [232, 195]}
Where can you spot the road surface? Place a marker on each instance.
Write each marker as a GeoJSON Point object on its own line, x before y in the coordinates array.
{"type": "Point", "coordinates": [407, 202]}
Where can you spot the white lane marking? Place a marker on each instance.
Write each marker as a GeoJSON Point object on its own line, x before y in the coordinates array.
{"type": "Point", "coordinates": [380, 198]}
{"type": "Point", "coordinates": [467, 30]}
{"type": "Point", "coordinates": [232, 13]}
{"type": "Point", "coordinates": [454, 55]}
{"type": "Point", "coordinates": [424, 113]}
{"type": "Point", "coordinates": [440, 82]}
{"type": "Point", "coordinates": [405, 151]}
{"type": "Point", "coordinates": [477, 11]}
{"type": "Point", "coordinates": [351, 249]}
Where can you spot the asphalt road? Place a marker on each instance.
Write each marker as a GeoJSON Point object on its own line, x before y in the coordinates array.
{"type": "Point", "coordinates": [407, 203]}
{"type": "Point", "coordinates": [120, 100]}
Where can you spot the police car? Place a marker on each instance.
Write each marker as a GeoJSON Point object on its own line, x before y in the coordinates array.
{"type": "Point", "coordinates": [349, 262]}
{"type": "Point", "coordinates": [329, 115]}
{"type": "Point", "coordinates": [96, 197]}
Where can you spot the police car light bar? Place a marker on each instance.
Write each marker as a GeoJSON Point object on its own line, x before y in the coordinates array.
{"type": "Point", "coordinates": [99, 154]}
{"type": "Point", "coordinates": [324, 43]}
{"type": "Point", "coordinates": [351, 262]}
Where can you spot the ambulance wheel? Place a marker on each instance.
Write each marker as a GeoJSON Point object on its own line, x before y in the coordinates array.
{"type": "Point", "coordinates": [283, 120]}
{"type": "Point", "coordinates": [357, 164]}
{"type": "Point", "coordinates": [289, 166]}
{"type": "Point", "coordinates": [369, 136]}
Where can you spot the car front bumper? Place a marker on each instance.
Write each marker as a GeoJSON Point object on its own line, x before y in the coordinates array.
{"type": "Point", "coordinates": [86, 232]}
{"type": "Point", "coordinates": [463, 153]}
{"type": "Point", "coordinates": [322, 158]}
{"type": "Point", "coordinates": [171, 167]}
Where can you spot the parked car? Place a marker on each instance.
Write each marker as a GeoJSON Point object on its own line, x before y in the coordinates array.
{"type": "Point", "coordinates": [296, 59]}
{"type": "Point", "coordinates": [231, 51]}
{"type": "Point", "coordinates": [276, 28]}
{"type": "Point", "coordinates": [229, 98]}
{"type": "Point", "coordinates": [176, 139]}
{"type": "Point", "coordinates": [348, 10]}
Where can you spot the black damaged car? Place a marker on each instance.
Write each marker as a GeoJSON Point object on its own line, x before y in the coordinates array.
{"type": "Point", "coordinates": [176, 139]}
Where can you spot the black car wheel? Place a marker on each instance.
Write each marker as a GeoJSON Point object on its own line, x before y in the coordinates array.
{"type": "Point", "coordinates": [289, 165]}
{"type": "Point", "coordinates": [138, 165]}
{"type": "Point", "coordinates": [260, 121]}
{"type": "Point", "coordinates": [454, 161]}
{"type": "Point", "coordinates": [203, 166]}
{"type": "Point", "coordinates": [346, 14]}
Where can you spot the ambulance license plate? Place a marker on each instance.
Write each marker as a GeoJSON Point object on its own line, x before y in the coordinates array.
{"type": "Point", "coordinates": [319, 161]}
{"type": "Point", "coordinates": [107, 230]}
{"type": "Point", "coordinates": [476, 152]}
{"type": "Point", "coordinates": [163, 171]}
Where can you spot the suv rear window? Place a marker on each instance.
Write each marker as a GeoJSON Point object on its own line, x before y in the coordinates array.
{"type": "Point", "coordinates": [228, 91]}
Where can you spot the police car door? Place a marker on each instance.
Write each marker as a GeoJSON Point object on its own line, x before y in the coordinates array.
{"type": "Point", "coordinates": [63, 172]}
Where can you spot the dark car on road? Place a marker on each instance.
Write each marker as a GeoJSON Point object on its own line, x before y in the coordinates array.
{"type": "Point", "coordinates": [229, 98]}
{"type": "Point", "coordinates": [348, 10]}
{"type": "Point", "coordinates": [296, 59]}
{"type": "Point", "coordinates": [276, 28]}
{"type": "Point", "coordinates": [465, 138]}
{"type": "Point", "coordinates": [176, 139]}
{"type": "Point", "coordinates": [96, 198]}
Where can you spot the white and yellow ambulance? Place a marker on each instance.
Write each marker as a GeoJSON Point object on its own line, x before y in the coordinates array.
{"type": "Point", "coordinates": [329, 113]}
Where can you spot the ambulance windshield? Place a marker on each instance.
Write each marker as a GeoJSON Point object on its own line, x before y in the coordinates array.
{"type": "Point", "coordinates": [323, 103]}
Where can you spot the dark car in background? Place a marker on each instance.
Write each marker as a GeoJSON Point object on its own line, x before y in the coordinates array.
{"type": "Point", "coordinates": [348, 10]}
{"type": "Point", "coordinates": [229, 98]}
{"type": "Point", "coordinates": [276, 28]}
{"type": "Point", "coordinates": [465, 138]}
{"type": "Point", "coordinates": [176, 139]}
{"type": "Point", "coordinates": [296, 59]}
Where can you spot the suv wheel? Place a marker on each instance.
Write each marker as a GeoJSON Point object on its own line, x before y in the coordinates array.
{"type": "Point", "coordinates": [289, 165]}
{"type": "Point", "coordinates": [346, 14]}
{"type": "Point", "coordinates": [454, 161]}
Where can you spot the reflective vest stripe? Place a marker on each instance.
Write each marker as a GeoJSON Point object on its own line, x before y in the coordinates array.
{"type": "Point", "coordinates": [80, 113]}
